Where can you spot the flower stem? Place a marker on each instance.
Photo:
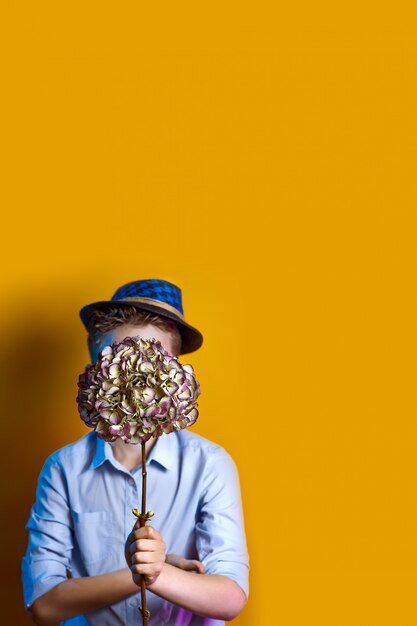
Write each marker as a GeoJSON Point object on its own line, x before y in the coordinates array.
{"type": "Point", "coordinates": [142, 521]}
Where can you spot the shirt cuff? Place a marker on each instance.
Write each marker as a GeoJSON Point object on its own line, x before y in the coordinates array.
{"type": "Point", "coordinates": [39, 576]}
{"type": "Point", "coordinates": [238, 573]}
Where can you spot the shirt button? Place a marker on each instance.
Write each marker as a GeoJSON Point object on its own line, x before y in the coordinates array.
{"type": "Point", "coordinates": [133, 602]}
{"type": "Point", "coordinates": [131, 481]}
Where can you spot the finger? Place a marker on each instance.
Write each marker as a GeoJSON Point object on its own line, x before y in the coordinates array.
{"type": "Point", "coordinates": [146, 532]}
{"type": "Point", "coordinates": [147, 557]}
{"type": "Point", "coordinates": [143, 568]}
{"type": "Point", "coordinates": [173, 559]}
{"type": "Point", "coordinates": [152, 533]}
{"type": "Point", "coordinates": [139, 535]}
{"type": "Point", "coordinates": [199, 567]}
{"type": "Point", "coordinates": [147, 545]}
{"type": "Point", "coordinates": [192, 565]}
{"type": "Point", "coordinates": [189, 565]}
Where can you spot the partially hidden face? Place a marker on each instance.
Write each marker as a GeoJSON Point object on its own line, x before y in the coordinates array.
{"type": "Point", "coordinates": [128, 330]}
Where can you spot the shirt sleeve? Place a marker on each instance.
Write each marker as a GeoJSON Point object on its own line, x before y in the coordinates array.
{"type": "Point", "coordinates": [48, 555]}
{"type": "Point", "coordinates": [220, 532]}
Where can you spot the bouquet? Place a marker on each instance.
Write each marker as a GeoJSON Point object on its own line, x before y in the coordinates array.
{"type": "Point", "coordinates": [137, 390]}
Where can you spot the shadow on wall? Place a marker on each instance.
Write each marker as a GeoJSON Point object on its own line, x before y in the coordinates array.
{"type": "Point", "coordinates": [34, 367]}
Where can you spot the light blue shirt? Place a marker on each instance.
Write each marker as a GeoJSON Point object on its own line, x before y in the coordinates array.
{"type": "Point", "coordinates": [83, 515]}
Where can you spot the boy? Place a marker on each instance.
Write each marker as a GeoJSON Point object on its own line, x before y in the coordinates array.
{"type": "Point", "coordinates": [84, 561]}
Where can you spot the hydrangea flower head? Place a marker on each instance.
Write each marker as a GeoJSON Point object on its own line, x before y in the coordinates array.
{"type": "Point", "coordinates": [137, 390]}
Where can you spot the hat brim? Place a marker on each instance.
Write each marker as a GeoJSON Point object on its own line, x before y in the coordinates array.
{"type": "Point", "coordinates": [191, 338]}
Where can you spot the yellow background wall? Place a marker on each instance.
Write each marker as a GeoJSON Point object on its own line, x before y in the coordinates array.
{"type": "Point", "coordinates": [262, 157]}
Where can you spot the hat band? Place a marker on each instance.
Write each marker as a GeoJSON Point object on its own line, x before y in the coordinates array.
{"type": "Point", "coordinates": [159, 303]}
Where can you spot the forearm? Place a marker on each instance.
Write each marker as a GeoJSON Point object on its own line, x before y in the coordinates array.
{"type": "Point", "coordinates": [77, 596]}
{"type": "Point", "coordinates": [213, 596]}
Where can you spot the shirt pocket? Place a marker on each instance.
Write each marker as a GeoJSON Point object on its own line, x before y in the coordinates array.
{"type": "Point", "coordinates": [94, 535]}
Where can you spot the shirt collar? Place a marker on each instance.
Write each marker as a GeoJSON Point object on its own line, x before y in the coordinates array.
{"type": "Point", "coordinates": [100, 452]}
{"type": "Point", "coordinates": [163, 452]}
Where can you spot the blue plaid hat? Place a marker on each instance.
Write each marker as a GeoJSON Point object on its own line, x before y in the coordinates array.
{"type": "Point", "coordinates": [156, 296]}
